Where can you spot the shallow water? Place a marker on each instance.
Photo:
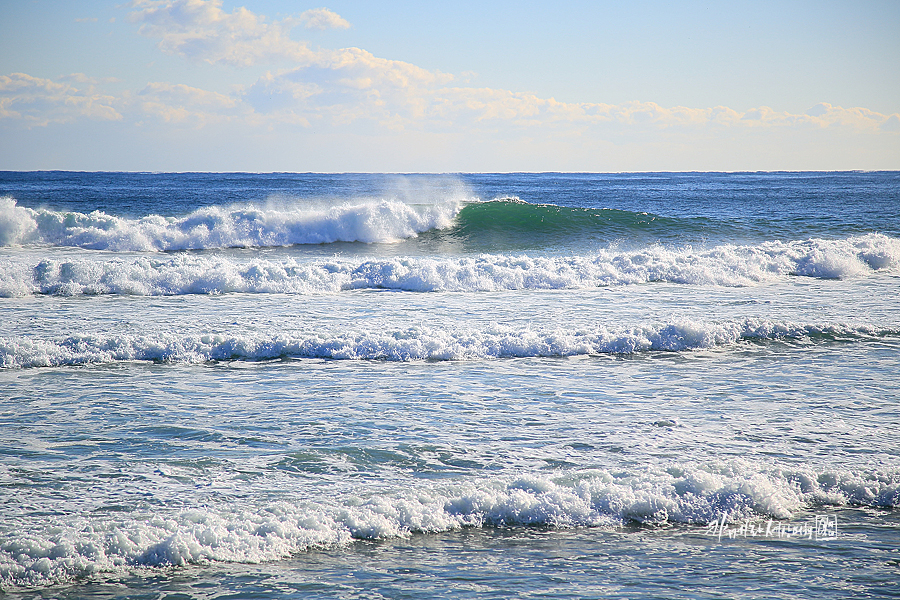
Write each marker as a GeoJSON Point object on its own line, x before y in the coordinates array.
{"type": "Point", "coordinates": [669, 562]}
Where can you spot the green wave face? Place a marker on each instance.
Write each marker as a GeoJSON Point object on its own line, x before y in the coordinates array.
{"type": "Point", "coordinates": [509, 223]}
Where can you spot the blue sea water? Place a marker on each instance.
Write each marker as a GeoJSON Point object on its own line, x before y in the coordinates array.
{"type": "Point", "coordinates": [666, 385]}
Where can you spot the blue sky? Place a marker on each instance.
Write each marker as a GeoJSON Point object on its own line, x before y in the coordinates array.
{"type": "Point", "coordinates": [272, 85]}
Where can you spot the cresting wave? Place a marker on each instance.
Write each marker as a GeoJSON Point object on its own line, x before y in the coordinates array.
{"type": "Point", "coordinates": [418, 343]}
{"type": "Point", "coordinates": [78, 546]}
{"type": "Point", "coordinates": [724, 265]}
{"type": "Point", "coordinates": [385, 220]}
{"type": "Point", "coordinates": [500, 223]}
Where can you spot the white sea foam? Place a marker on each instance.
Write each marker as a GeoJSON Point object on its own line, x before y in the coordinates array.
{"type": "Point", "coordinates": [416, 343]}
{"type": "Point", "coordinates": [725, 265]}
{"type": "Point", "coordinates": [374, 220]}
{"type": "Point", "coordinates": [79, 545]}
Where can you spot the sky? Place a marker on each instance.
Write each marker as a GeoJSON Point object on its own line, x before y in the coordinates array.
{"type": "Point", "coordinates": [362, 86]}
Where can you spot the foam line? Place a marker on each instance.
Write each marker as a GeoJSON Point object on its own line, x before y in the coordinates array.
{"type": "Point", "coordinates": [418, 343]}
{"type": "Point", "coordinates": [70, 546]}
{"type": "Point", "coordinates": [723, 265]}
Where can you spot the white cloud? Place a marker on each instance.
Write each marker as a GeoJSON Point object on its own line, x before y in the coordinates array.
{"type": "Point", "coordinates": [37, 102]}
{"type": "Point", "coordinates": [182, 104]}
{"type": "Point", "coordinates": [322, 18]}
{"type": "Point", "coordinates": [340, 88]}
{"type": "Point", "coordinates": [200, 30]}
{"type": "Point", "coordinates": [837, 116]}
{"type": "Point", "coordinates": [347, 85]}
{"type": "Point", "coordinates": [344, 86]}
{"type": "Point", "coordinates": [351, 84]}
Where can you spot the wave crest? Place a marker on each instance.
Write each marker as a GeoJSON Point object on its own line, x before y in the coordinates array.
{"type": "Point", "coordinates": [418, 343]}
{"type": "Point", "coordinates": [725, 265]}
{"type": "Point", "coordinates": [369, 221]}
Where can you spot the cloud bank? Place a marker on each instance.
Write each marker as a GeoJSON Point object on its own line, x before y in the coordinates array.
{"type": "Point", "coordinates": [36, 102]}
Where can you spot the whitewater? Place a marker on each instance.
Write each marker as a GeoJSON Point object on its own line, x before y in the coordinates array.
{"type": "Point", "coordinates": [314, 385]}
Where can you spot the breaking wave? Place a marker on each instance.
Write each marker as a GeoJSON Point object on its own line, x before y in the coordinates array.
{"type": "Point", "coordinates": [369, 221]}
{"type": "Point", "coordinates": [184, 273]}
{"type": "Point", "coordinates": [76, 546]}
{"type": "Point", "coordinates": [500, 224]}
{"type": "Point", "coordinates": [417, 343]}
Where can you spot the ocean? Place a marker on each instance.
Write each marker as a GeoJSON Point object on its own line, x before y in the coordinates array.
{"type": "Point", "coordinates": [658, 385]}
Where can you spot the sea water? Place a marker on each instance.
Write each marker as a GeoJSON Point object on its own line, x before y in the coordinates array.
{"type": "Point", "coordinates": [498, 385]}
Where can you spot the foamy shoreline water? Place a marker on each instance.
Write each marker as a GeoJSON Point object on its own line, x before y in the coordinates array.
{"type": "Point", "coordinates": [246, 534]}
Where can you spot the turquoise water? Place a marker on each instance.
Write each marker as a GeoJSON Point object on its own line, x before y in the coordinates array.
{"type": "Point", "coordinates": [476, 385]}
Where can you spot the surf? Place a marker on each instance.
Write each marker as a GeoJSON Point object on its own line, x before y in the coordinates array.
{"type": "Point", "coordinates": [690, 493]}
{"type": "Point", "coordinates": [726, 265]}
{"type": "Point", "coordinates": [424, 343]}
{"type": "Point", "coordinates": [369, 221]}
{"type": "Point", "coordinates": [470, 223]}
